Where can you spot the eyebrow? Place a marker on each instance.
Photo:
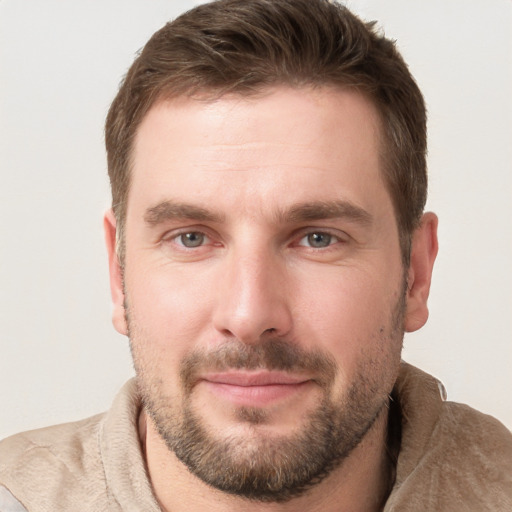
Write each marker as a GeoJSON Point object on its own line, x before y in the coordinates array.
{"type": "Point", "coordinates": [323, 210]}
{"type": "Point", "coordinates": [169, 210]}
{"type": "Point", "coordinates": [302, 212]}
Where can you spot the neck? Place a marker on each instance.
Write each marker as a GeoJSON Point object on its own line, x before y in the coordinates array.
{"type": "Point", "coordinates": [360, 483]}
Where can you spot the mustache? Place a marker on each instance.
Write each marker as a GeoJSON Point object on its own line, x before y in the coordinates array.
{"type": "Point", "coordinates": [272, 354]}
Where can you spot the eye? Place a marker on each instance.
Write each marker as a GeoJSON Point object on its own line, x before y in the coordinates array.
{"type": "Point", "coordinates": [191, 239]}
{"type": "Point", "coordinates": [318, 240]}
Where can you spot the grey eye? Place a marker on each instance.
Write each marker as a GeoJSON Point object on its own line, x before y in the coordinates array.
{"type": "Point", "coordinates": [192, 239]}
{"type": "Point", "coordinates": [319, 240]}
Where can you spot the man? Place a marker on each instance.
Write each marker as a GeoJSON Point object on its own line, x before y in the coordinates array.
{"type": "Point", "coordinates": [268, 249]}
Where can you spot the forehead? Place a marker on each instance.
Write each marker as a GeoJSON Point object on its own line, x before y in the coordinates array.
{"type": "Point", "coordinates": [304, 141]}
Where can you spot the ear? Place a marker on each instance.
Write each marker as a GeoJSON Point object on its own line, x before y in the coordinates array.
{"type": "Point", "coordinates": [116, 274]}
{"type": "Point", "coordinates": [423, 254]}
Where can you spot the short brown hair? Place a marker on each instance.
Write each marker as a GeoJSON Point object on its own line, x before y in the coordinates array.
{"type": "Point", "coordinates": [244, 46]}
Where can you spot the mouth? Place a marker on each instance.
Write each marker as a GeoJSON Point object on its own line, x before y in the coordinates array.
{"type": "Point", "coordinates": [254, 388]}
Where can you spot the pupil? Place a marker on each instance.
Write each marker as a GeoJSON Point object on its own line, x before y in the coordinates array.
{"type": "Point", "coordinates": [193, 239]}
{"type": "Point", "coordinates": [319, 239]}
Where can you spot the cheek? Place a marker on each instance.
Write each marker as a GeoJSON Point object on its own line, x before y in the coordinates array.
{"type": "Point", "coordinates": [355, 323]}
{"type": "Point", "coordinates": [348, 313]}
{"type": "Point", "coordinates": [167, 310]}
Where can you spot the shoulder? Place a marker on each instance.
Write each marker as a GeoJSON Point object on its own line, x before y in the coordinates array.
{"type": "Point", "coordinates": [452, 456]}
{"type": "Point", "coordinates": [473, 445]}
{"type": "Point", "coordinates": [88, 465]}
{"type": "Point", "coordinates": [482, 433]}
{"type": "Point", "coordinates": [50, 460]}
{"type": "Point", "coordinates": [65, 442]}
{"type": "Point", "coordinates": [468, 461]}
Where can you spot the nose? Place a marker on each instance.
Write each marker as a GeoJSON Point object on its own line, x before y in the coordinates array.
{"type": "Point", "coordinates": [253, 297]}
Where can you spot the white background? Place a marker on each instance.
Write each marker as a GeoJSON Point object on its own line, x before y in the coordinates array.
{"type": "Point", "coordinates": [60, 65]}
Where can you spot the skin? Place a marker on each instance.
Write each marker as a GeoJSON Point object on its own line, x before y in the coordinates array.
{"type": "Point", "coordinates": [265, 268]}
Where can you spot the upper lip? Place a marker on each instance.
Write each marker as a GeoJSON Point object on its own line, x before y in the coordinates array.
{"type": "Point", "coordinates": [253, 378]}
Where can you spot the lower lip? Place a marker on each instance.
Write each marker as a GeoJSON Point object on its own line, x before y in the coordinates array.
{"type": "Point", "coordinates": [255, 396]}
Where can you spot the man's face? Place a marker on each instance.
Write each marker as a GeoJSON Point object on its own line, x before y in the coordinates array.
{"type": "Point", "coordinates": [263, 283]}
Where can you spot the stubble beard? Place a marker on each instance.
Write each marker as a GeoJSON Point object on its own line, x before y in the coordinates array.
{"type": "Point", "coordinates": [262, 467]}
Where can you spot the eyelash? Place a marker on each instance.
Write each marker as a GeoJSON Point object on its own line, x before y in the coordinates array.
{"type": "Point", "coordinates": [333, 239]}
{"type": "Point", "coordinates": [175, 238]}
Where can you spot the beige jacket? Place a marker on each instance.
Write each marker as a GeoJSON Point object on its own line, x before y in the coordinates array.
{"type": "Point", "coordinates": [452, 458]}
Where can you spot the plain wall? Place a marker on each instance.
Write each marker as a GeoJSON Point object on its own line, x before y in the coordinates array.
{"type": "Point", "coordinates": [60, 65]}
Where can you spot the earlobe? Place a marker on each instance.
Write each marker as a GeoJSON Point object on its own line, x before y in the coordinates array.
{"type": "Point", "coordinates": [423, 254]}
{"type": "Point", "coordinates": [116, 274]}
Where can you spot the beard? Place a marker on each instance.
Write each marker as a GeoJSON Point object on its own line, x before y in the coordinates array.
{"type": "Point", "coordinates": [260, 466]}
